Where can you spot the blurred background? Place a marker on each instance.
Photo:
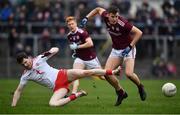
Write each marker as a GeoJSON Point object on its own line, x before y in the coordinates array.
{"type": "Point", "coordinates": [34, 26]}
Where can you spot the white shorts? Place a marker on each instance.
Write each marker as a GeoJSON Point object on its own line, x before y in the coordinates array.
{"type": "Point", "coordinates": [118, 53]}
{"type": "Point", "coordinates": [91, 64]}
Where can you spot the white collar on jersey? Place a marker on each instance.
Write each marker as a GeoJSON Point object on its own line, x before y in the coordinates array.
{"type": "Point", "coordinates": [75, 31]}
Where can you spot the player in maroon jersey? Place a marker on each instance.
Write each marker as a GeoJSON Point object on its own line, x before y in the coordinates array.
{"type": "Point", "coordinates": [124, 38]}
{"type": "Point", "coordinates": [82, 45]}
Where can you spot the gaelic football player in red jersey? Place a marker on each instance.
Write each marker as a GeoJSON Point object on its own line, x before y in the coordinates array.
{"type": "Point", "coordinates": [84, 51]}
{"type": "Point", "coordinates": [124, 37]}
{"type": "Point", "coordinates": [38, 70]}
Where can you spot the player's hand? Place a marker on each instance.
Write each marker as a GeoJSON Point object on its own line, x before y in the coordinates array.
{"type": "Point", "coordinates": [73, 46]}
{"type": "Point", "coordinates": [83, 22]}
{"type": "Point", "coordinates": [46, 54]}
{"type": "Point", "coordinates": [73, 55]}
{"type": "Point", "coordinates": [117, 71]}
{"type": "Point", "coordinates": [126, 51]}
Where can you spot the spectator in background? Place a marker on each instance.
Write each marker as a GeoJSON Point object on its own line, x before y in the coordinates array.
{"type": "Point", "coordinates": [123, 5]}
{"type": "Point", "coordinates": [6, 12]}
{"type": "Point", "coordinates": [46, 40]}
{"type": "Point", "coordinates": [82, 10]}
{"type": "Point", "coordinates": [62, 41]}
{"type": "Point", "coordinates": [159, 67]}
{"type": "Point", "coordinates": [146, 14]}
{"type": "Point", "coordinates": [28, 50]}
{"type": "Point", "coordinates": [28, 44]}
{"type": "Point", "coordinates": [170, 42]}
{"type": "Point", "coordinates": [17, 11]}
{"type": "Point", "coordinates": [20, 15]}
{"type": "Point", "coordinates": [98, 25]}
{"type": "Point", "coordinates": [72, 7]}
{"type": "Point", "coordinates": [169, 11]}
{"type": "Point", "coordinates": [39, 16]}
{"type": "Point", "coordinates": [30, 5]}
{"type": "Point", "coordinates": [176, 5]}
{"type": "Point", "coordinates": [177, 8]}
{"type": "Point", "coordinates": [47, 13]}
{"type": "Point", "coordinates": [58, 13]}
{"type": "Point", "coordinates": [12, 41]}
{"type": "Point", "coordinates": [171, 68]}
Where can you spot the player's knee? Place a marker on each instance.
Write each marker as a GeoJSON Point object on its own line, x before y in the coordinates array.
{"type": "Point", "coordinates": [52, 103]}
{"type": "Point", "coordinates": [129, 74]}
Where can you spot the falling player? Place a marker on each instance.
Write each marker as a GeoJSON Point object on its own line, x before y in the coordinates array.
{"type": "Point", "coordinates": [37, 70]}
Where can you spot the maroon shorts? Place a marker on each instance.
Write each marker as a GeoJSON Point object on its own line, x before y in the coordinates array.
{"type": "Point", "coordinates": [62, 80]}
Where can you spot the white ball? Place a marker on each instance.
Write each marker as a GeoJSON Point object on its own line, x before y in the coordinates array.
{"type": "Point", "coordinates": [169, 89]}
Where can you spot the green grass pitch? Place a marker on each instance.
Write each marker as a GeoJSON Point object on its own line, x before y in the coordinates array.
{"type": "Point", "coordinates": [101, 99]}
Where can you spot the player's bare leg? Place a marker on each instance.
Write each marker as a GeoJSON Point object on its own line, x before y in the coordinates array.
{"type": "Point", "coordinates": [75, 85]}
{"type": "Point", "coordinates": [100, 77]}
{"type": "Point", "coordinates": [112, 63]}
{"type": "Point", "coordinates": [58, 97]}
{"type": "Point", "coordinates": [74, 74]}
{"type": "Point", "coordinates": [129, 71]}
{"type": "Point", "coordinates": [76, 82]}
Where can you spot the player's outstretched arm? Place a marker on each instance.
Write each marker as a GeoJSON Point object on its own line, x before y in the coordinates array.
{"type": "Point", "coordinates": [51, 52]}
{"type": "Point", "coordinates": [94, 12]}
{"type": "Point", "coordinates": [17, 95]}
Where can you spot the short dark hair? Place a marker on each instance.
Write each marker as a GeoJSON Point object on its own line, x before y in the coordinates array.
{"type": "Point", "coordinates": [20, 56]}
{"type": "Point", "coordinates": [113, 9]}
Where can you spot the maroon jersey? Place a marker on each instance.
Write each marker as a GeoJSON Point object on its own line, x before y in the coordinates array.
{"type": "Point", "coordinates": [79, 37]}
{"type": "Point", "coordinates": [119, 32]}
